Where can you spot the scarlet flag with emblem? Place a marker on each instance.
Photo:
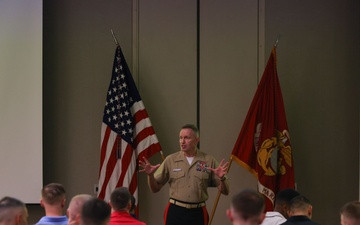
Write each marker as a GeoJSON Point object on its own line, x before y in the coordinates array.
{"type": "Point", "coordinates": [263, 146]}
{"type": "Point", "coordinates": [126, 132]}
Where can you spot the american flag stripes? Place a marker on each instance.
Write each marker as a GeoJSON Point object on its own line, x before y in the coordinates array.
{"type": "Point", "coordinates": [126, 132]}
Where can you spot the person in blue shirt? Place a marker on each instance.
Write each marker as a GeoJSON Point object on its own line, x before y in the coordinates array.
{"type": "Point", "coordinates": [53, 201]}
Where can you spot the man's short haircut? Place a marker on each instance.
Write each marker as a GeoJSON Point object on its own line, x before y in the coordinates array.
{"type": "Point", "coordinates": [95, 212]}
{"type": "Point", "coordinates": [192, 127]}
{"type": "Point", "coordinates": [53, 193]}
{"type": "Point", "coordinates": [9, 208]}
{"type": "Point", "coordinates": [248, 204]}
{"type": "Point", "coordinates": [285, 196]}
{"type": "Point", "coordinates": [299, 203]}
{"type": "Point", "coordinates": [351, 211]}
{"type": "Point", "coordinates": [76, 204]}
{"type": "Point", "coordinates": [120, 198]}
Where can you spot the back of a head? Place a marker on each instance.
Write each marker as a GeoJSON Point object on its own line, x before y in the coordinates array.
{"type": "Point", "coordinates": [10, 209]}
{"type": "Point", "coordinates": [248, 207]}
{"type": "Point", "coordinates": [350, 213]}
{"type": "Point", "coordinates": [95, 212]}
{"type": "Point", "coordinates": [285, 196]}
{"type": "Point", "coordinates": [282, 200]}
{"type": "Point", "coordinates": [75, 207]}
{"type": "Point", "coordinates": [53, 193]}
{"type": "Point", "coordinates": [300, 205]}
{"type": "Point", "coordinates": [120, 199]}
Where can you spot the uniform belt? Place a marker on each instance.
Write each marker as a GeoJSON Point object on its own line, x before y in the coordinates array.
{"type": "Point", "coordinates": [186, 205]}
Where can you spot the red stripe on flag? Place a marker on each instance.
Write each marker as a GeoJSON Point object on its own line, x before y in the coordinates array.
{"type": "Point", "coordinates": [104, 146]}
{"type": "Point", "coordinates": [109, 169]}
{"type": "Point", "coordinates": [144, 133]}
{"type": "Point", "coordinates": [150, 151]}
{"type": "Point", "coordinates": [125, 163]}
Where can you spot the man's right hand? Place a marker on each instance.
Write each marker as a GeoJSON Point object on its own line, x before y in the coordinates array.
{"type": "Point", "coordinates": [147, 167]}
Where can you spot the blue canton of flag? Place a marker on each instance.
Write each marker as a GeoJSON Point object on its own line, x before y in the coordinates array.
{"type": "Point", "coordinates": [117, 113]}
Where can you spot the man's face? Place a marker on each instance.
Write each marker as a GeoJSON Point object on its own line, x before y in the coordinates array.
{"type": "Point", "coordinates": [188, 140]}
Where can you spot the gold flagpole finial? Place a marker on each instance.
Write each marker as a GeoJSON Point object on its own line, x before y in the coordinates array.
{"type": "Point", "coordinates": [277, 41]}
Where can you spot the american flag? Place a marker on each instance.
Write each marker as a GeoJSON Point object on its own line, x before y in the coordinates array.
{"type": "Point", "coordinates": [126, 132]}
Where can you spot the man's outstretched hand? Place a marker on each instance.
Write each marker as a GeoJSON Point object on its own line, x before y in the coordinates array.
{"type": "Point", "coordinates": [221, 170]}
{"type": "Point", "coordinates": [147, 167]}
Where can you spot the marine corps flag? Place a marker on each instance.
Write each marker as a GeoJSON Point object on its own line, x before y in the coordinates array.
{"type": "Point", "coordinates": [263, 146]}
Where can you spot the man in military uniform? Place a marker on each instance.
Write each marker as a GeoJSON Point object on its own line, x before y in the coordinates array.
{"type": "Point", "coordinates": [189, 173]}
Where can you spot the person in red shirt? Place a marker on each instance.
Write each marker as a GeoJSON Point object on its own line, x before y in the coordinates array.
{"type": "Point", "coordinates": [120, 202]}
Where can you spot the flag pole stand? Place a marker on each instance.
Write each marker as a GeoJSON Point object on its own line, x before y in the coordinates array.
{"type": "Point", "coordinates": [218, 197]}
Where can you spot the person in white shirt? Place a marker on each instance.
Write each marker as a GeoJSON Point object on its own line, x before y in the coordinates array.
{"type": "Point", "coordinates": [281, 207]}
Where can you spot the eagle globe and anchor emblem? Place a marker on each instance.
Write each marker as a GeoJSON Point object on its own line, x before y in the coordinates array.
{"type": "Point", "coordinates": [267, 154]}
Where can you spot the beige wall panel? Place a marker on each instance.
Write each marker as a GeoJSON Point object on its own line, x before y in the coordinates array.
{"type": "Point", "coordinates": [78, 57]}
{"type": "Point", "coordinates": [318, 66]}
{"type": "Point", "coordinates": [228, 81]}
{"type": "Point", "coordinates": [167, 82]}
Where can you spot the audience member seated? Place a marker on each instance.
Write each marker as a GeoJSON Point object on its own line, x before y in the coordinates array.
{"type": "Point", "coordinates": [53, 201]}
{"type": "Point", "coordinates": [350, 213]}
{"type": "Point", "coordinates": [281, 207]}
{"type": "Point", "coordinates": [120, 202]}
{"type": "Point", "coordinates": [247, 208]}
{"type": "Point", "coordinates": [300, 212]}
{"type": "Point", "coordinates": [75, 206]}
{"type": "Point", "coordinates": [13, 212]}
{"type": "Point", "coordinates": [95, 212]}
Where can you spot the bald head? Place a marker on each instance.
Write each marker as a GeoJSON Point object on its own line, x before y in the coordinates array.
{"type": "Point", "coordinates": [75, 206]}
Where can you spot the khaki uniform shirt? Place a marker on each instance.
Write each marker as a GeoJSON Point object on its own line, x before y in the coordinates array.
{"type": "Point", "coordinates": [188, 183]}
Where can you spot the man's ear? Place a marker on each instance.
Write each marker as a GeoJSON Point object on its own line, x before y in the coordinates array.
{"type": "Point", "coordinates": [128, 207]}
{"type": "Point", "coordinates": [63, 203]}
{"type": "Point", "coordinates": [77, 218]}
{"type": "Point", "coordinates": [18, 219]}
{"type": "Point", "coordinates": [310, 212]}
{"type": "Point", "coordinates": [42, 203]}
{"type": "Point", "coordinates": [229, 215]}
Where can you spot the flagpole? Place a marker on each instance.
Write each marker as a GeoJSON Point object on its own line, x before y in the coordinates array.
{"type": "Point", "coordinates": [113, 34]}
{"type": "Point", "coordinates": [218, 197]}
{"type": "Point", "coordinates": [162, 155]}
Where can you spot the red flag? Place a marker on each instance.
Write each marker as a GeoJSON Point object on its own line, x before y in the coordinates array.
{"type": "Point", "coordinates": [126, 133]}
{"type": "Point", "coordinates": [263, 146]}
